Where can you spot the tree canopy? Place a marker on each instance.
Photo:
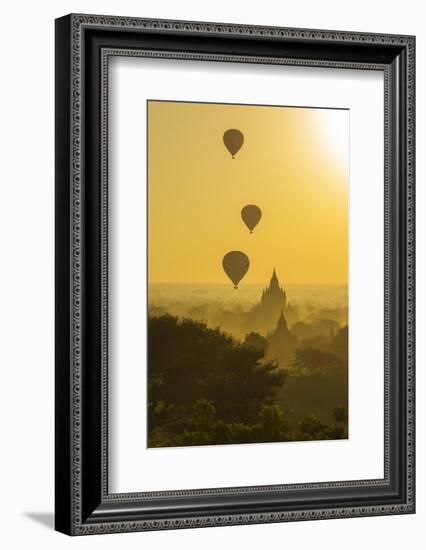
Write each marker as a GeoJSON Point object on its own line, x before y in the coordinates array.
{"type": "Point", "coordinates": [199, 363]}
{"type": "Point", "coordinates": [206, 388]}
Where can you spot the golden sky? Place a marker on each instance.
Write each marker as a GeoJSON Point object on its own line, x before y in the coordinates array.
{"type": "Point", "coordinates": [293, 165]}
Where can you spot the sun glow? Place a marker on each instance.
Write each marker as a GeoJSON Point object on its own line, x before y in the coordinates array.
{"type": "Point", "coordinates": [333, 135]}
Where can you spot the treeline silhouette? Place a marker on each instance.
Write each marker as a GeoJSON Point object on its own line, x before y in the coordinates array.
{"type": "Point", "coordinates": [206, 388]}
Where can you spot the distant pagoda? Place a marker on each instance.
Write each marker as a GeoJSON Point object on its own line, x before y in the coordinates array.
{"type": "Point", "coordinates": [281, 343]}
{"type": "Point", "coordinates": [281, 330]}
{"type": "Point", "coordinates": [262, 317]}
{"type": "Point", "coordinates": [274, 298]}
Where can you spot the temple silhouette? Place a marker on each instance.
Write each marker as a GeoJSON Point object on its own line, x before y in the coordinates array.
{"type": "Point", "coordinates": [273, 298]}
{"type": "Point", "coordinates": [281, 343]}
{"type": "Point", "coordinates": [273, 305]}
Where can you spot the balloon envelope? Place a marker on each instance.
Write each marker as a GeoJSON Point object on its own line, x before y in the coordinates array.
{"type": "Point", "coordinates": [235, 265]}
{"type": "Point", "coordinates": [251, 215]}
{"type": "Point", "coordinates": [233, 140]}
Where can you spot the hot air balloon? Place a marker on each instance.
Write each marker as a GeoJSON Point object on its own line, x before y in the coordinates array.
{"type": "Point", "coordinates": [233, 140]}
{"type": "Point", "coordinates": [251, 215]}
{"type": "Point", "coordinates": [235, 265]}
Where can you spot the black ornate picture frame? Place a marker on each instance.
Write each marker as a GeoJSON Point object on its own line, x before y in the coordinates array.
{"type": "Point", "coordinates": [84, 43]}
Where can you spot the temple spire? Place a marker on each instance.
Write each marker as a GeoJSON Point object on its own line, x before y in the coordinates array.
{"type": "Point", "coordinates": [274, 280]}
{"type": "Point", "coordinates": [282, 323]}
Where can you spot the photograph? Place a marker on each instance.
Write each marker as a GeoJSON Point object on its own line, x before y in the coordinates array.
{"type": "Point", "coordinates": [247, 254]}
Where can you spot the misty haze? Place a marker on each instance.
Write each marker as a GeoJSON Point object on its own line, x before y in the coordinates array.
{"type": "Point", "coordinates": [301, 331]}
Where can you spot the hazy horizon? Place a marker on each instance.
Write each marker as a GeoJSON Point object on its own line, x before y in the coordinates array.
{"type": "Point", "coordinates": [253, 283]}
{"type": "Point", "coordinates": [207, 300]}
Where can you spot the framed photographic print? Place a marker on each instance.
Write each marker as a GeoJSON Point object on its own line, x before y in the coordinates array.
{"type": "Point", "coordinates": [234, 274]}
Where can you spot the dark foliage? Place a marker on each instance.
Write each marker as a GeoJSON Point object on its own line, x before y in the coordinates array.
{"type": "Point", "coordinates": [256, 341]}
{"type": "Point", "coordinates": [205, 388]}
{"type": "Point", "coordinates": [314, 361]}
{"type": "Point", "coordinates": [200, 363]}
